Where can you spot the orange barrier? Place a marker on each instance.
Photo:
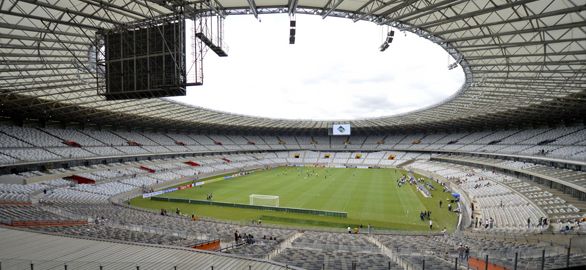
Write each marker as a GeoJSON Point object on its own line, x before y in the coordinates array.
{"type": "Point", "coordinates": [212, 245]}
{"type": "Point", "coordinates": [192, 163]}
{"type": "Point", "coordinates": [133, 143]}
{"type": "Point", "coordinates": [479, 264]}
{"type": "Point", "coordinates": [81, 180]}
{"type": "Point", "coordinates": [142, 167]}
{"type": "Point", "coordinates": [72, 143]}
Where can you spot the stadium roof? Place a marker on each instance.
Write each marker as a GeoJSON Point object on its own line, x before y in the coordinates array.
{"type": "Point", "coordinates": [524, 60]}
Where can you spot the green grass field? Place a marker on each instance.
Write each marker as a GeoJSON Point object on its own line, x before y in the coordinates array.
{"type": "Point", "coordinates": [370, 196]}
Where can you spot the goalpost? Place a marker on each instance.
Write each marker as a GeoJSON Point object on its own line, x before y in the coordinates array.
{"type": "Point", "coordinates": [266, 200]}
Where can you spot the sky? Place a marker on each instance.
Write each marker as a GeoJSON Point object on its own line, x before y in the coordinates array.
{"type": "Point", "coordinates": [333, 71]}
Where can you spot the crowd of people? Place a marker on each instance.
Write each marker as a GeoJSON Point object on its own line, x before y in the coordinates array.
{"type": "Point", "coordinates": [359, 228]}
{"type": "Point", "coordinates": [569, 226]}
{"type": "Point", "coordinates": [244, 238]}
{"type": "Point", "coordinates": [423, 215]}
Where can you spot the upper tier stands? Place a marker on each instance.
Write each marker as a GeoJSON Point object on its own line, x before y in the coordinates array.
{"type": "Point", "coordinates": [29, 144]}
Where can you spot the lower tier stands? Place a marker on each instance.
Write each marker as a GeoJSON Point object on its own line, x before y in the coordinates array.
{"type": "Point", "coordinates": [41, 251]}
{"type": "Point", "coordinates": [107, 232]}
{"type": "Point", "coordinates": [507, 200]}
{"type": "Point", "coordinates": [575, 178]}
{"type": "Point", "coordinates": [312, 259]}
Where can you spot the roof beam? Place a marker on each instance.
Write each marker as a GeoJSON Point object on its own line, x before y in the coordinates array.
{"type": "Point", "coordinates": [70, 11]}
{"type": "Point", "coordinates": [370, 8]}
{"type": "Point", "coordinates": [43, 19]}
{"type": "Point", "coordinates": [253, 8]}
{"type": "Point", "coordinates": [518, 19]}
{"type": "Point", "coordinates": [476, 47]}
{"type": "Point", "coordinates": [520, 31]}
{"type": "Point", "coordinates": [419, 12]}
{"type": "Point", "coordinates": [331, 6]}
{"type": "Point", "coordinates": [474, 13]}
{"type": "Point", "coordinates": [292, 6]}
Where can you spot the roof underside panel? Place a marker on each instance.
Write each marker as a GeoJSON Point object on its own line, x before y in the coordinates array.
{"type": "Point", "coordinates": [524, 61]}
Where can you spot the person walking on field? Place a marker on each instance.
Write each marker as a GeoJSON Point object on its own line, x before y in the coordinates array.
{"type": "Point", "coordinates": [430, 225]}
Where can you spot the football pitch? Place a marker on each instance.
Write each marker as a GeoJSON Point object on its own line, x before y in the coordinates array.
{"type": "Point", "coordinates": [369, 196]}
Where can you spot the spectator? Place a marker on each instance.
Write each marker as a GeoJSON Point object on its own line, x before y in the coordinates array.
{"type": "Point", "coordinates": [460, 250]}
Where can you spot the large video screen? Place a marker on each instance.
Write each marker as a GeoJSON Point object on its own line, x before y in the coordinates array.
{"type": "Point", "coordinates": [341, 130]}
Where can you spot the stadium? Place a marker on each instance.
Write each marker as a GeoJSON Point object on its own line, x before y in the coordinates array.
{"type": "Point", "coordinates": [100, 169]}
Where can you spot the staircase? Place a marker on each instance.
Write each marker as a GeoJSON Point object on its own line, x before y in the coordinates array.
{"type": "Point", "coordinates": [284, 245]}
{"type": "Point", "coordinates": [389, 253]}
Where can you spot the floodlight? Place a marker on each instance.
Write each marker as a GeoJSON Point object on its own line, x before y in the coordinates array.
{"type": "Point", "coordinates": [390, 36]}
{"type": "Point", "coordinates": [384, 46]}
{"type": "Point", "coordinates": [388, 40]}
{"type": "Point", "coordinates": [292, 31]}
{"type": "Point", "coordinates": [455, 64]}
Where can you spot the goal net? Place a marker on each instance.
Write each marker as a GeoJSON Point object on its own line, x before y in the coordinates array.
{"type": "Point", "coordinates": [266, 200]}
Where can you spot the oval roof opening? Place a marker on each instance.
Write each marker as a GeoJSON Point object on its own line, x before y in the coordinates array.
{"type": "Point", "coordinates": [335, 70]}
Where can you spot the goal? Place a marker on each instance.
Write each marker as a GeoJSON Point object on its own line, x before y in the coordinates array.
{"type": "Point", "coordinates": [266, 200]}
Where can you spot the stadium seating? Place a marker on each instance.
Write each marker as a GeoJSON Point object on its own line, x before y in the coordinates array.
{"type": "Point", "coordinates": [73, 135]}
{"type": "Point", "coordinates": [563, 142]}
{"type": "Point", "coordinates": [312, 259]}
{"type": "Point", "coordinates": [510, 201]}
{"type": "Point", "coordinates": [30, 136]}
{"type": "Point", "coordinates": [26, 213]}
{"type": "Point", "coordinates": [104, 232]}
{"type": "Point", "coordinates": [521, 199]}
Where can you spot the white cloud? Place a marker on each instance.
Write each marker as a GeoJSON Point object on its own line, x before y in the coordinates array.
{"type": "Point", "coordinates": [334, 71]}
